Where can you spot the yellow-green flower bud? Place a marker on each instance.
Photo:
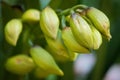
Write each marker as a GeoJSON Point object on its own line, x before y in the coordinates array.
{"type": "Point", "coordinates": [20, 64]}
{"type": "Point", "coordinates": [100, 20]}
{"type": "Point", "coordinates": [41, 73]}
{"type": "Point", "coordinates": [44, 60]}
{"type": "Point", "coordinates": [49, 22]}
{"type": "Point", "coordinates": [57, 53]}
{"type": "Point", "coordinates": [12, 31]}
{"type": "Point", "coordinates": [67, 18]}
{"type": "Point", "coordinates": [97, 38]}
{"type": "Point", "coordinates": [72, 55]}
{"type": "Point", "coordinates": [81, 31]}
{"type": "Point", "coordinates": [31, 15]}
{"type": "Point", "coordinates": [71, 43]}
{"type": "Point", "coordinates": [57, 48]}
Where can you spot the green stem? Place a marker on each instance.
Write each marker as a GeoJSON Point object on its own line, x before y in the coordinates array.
{"type": "Point", "coordinates": [80, 7]}
{"type": "Point", "coordinates": [67, 11]}
{"type": "Point", "coordinates": [72, 11]}
{"type": "Point", "coordinates": [30, 43]}
{"type": "Point", "coordinates": [63, 22]}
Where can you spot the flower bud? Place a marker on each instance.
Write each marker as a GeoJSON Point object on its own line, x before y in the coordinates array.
{"type": "Point", "coordinates": [44, 60]}
{"type": "Point", "coordinates": [81, 31]}
{"type": "Point", "coordinates": [67, 18]}
{"type": "Point", "coordinates": [58, 54]}
{"type": "Point", "coordinates": [49, 22]}
{"type": "Point", "coordinates": [100, 20]}
{"type": "Point", "coordinates": [57, 48]}
{"type": "Point", "coordinates": [31, 15]}
{"type": "Point", "coordinates": [41, 73]}
{"type": "Point", "coordinates": [12, 31]}
{"type": "Point", "coordinates": [20, 64]}
{"type": "Point", "coordinates": [71, 43]}
{"type": "Point", "coordinates": [73, 55]}
{"type": "Point", "coordinates": [97, 38]}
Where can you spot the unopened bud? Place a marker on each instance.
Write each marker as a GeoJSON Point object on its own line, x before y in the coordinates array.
{"type": "Point", "coordinates": [41, 73]}
{"type": "Point", "coordinates": [57, 48]}
{"type": "Point", "coordinates": [49, 22]}
{"type": "Point", "coordinates": [12, 31]}
{"type": "Point", "coordinates": [71, 43]}
{"type": "Point", "coordinates": [97, 38]}
{"type": "Point", "coordinates": [67, 18]}
{"type": "Point", "coordinates": [20, 64]}
{"type": "Point", "coordinates": [73, 55]}
{"type": "Point", "coordinates": [81, 31]}
{"type": "Point", "coordinates": [31, 15]}
{"type": "Point", "coordinates": [44, 60]}
{"type": "Point", "coordinates": [100, 20]}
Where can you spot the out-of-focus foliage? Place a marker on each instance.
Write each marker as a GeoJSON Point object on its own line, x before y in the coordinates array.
{"type": "Point", "coordinates": [106, 56]}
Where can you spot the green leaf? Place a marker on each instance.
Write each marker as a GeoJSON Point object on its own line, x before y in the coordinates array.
{"type": "Point", "coordinates": [44, 3]}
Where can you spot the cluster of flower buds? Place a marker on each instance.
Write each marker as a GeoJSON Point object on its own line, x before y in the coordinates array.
{"type": "Point", "coordinates": [80, 31]}
{"type": "Point", "coordinates": [88, 24]}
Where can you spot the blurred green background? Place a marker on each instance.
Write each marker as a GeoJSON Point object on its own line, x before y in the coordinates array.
{"type": "Point", "coordinates": [107, 56]}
